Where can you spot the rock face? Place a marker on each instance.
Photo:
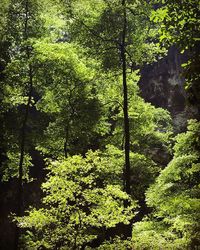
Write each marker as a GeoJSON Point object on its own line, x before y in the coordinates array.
{"type": "Point", "coordinates": [162, 85]}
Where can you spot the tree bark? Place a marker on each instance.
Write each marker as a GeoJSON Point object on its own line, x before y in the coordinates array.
{"type": "Point", "coordinates": [66, 150]}
{"type": "Point", "coordinates": [125, 103]}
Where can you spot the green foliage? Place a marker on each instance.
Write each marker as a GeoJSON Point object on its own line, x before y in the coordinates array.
{"type": "Point", "coordinates": [179, 21]}
{"type": "Point", "coordinates": [18, 29]}
{"type": "Point", "coordinates": [143, 173]}
{"type": "Point", "coordinates": [76, 104]}
{"type": "Point", "coordinates": [3, 10]}
{"type": "Point", "coordinates": [116, 243]}
{"type": "Point", "coordinates": [150, 127]}
{"type": "Point", "coordinates": [98, 27]}
{"type": "Point", "coordinates": [175, 197]}
{"type": "Point", "coordinates": [9, 168]}
{"type": "Point", "coordinates": [67, 97]}
{"type": "Point", "coordinates": [80, 203]}
{"type": "Point", "coordinates": [188, 143]}
{"type": "Point", "coordinates": [23, 23]}
{"type": "Point", "coordinates": [152, 234]}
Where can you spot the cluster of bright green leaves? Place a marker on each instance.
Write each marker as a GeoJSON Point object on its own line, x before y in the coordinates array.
{"type": "Point", "coordinates": [67, 89]}
{"type": "Point", "coordinates": [9, 168]}
{"type": "Point", "coordinates": [152, 234]}
{"type": "Point", "coordinates": [55, 24]}
{"type": "Point", "coordinates": [84, 197]}
{"type": "Point", "coordinates": [81, 202]}
{"type": "Point", "coordinates": [175, 198]}
{"type": "Point", "coordinates": [99, 28]}
{"type": "Point", "coordinates": [179, 22]}
{"type": "Point", "coordinates": [116, 243]}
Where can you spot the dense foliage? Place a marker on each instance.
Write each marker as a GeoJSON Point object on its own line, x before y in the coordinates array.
{"type": "Point", "coordinates": [81, 202]}
{"type": "Point", "coordinates": [174, 223]}
{"type": "Point", "coordinates": [85, 162]}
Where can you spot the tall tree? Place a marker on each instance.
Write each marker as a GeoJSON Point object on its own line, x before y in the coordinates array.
{"type": "Point", "coordinates": [68, 98]}
{"type": "Point", "coordinates": [125, 103]}
{"type": "Point", "coordinates": [22, 26]}
{"type": "Point", "coordinates": [112, 32]}
{"type": "Point", "coordinates": [82, 203]}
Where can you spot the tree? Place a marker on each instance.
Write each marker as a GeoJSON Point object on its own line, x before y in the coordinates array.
{"type": "Point", "coordinates": [67, 97]}
{"type": "Point", "coordinates": [83, 199]}
{"type": "Point", "coordinates": [175, 198]}
{"type": "Point", "coordinates": [112, 32]}
{"type": "Point", "coordinates": [4, 58]}
{"type": "Point", "coordinates": [23, 25]}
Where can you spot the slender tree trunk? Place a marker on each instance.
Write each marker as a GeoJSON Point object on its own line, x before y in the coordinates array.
{"type": "Point", "coordinates": [66, 140]}
{"type": "Point", "coordinates": [19, 211]}
{"type": "Point", "coordinates": [125, 103]}
{"type": "Point", "coordinates": [21, 161]}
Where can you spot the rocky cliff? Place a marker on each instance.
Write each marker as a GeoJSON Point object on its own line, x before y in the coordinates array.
{"type": "Point", "coordinates": [162, 85]}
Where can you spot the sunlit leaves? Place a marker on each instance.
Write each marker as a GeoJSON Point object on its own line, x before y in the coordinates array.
{"type": "Point", "coordinates": [10, 167]}
{"type": "Point", "coordinates": [175, 197]}
{"type": "Point", "coordinates": [79, 202]}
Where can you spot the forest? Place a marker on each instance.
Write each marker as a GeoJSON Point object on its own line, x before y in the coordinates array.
{"type": "Point", "coordinates": [86, 161]}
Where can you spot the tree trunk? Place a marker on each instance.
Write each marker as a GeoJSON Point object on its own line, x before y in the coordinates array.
{"type": "Point", "coordinates": [125, 104]}
{"type": "Point", "coordinates": [19, 211]}
{"type": "Point", "coordinates": [66, 149]}
{"type": "Point", "coordinates": [21, 161]}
